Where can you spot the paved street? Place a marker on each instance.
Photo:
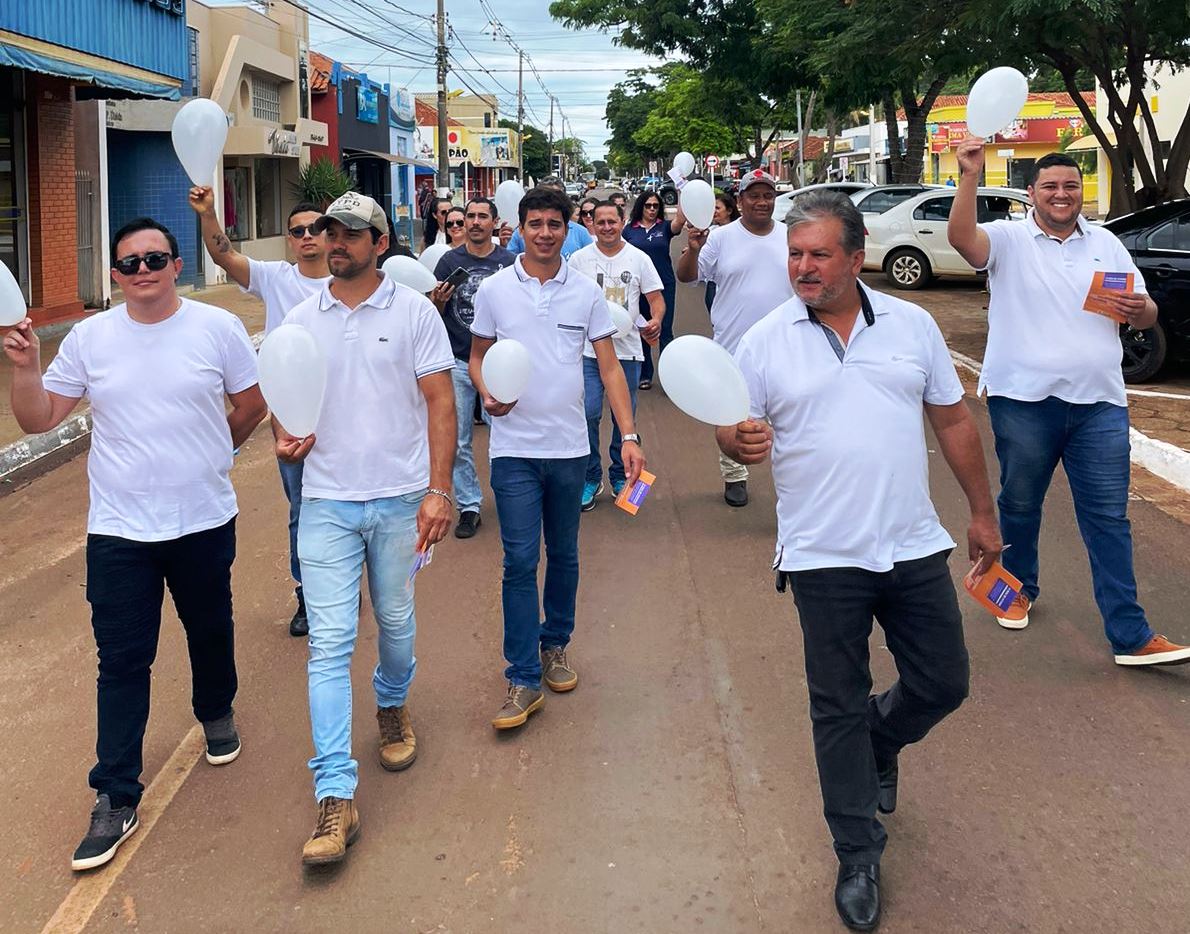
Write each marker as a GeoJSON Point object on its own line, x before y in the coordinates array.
{"type": "Point", "coordinates": [674, 791]}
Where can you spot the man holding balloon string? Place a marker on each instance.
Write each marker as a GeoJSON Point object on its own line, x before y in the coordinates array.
{"type": "Point", "coordinates": [842, 375]}
{"type": "Point", "coordinates": [281, 286]}
{"type": "Point", "coordinates": [376, 491]}
{"type": "Point", "coordinates": [157, 370]}
{"type": "Point", "coordinates": [539, 447]}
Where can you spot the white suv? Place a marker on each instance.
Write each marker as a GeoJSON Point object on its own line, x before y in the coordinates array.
{"type": "Point", "coordinates": [908, 242]}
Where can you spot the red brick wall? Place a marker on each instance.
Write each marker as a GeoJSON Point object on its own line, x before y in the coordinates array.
{"type": "Point", "coordinates": [53, 250]}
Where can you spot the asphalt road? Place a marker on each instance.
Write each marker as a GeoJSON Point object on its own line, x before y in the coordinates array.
{"type": "Point", "coordinates": [674, 791]}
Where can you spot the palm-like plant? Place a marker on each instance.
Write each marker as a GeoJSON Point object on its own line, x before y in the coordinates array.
{"type": "Point", "coordinates": [321, 182]}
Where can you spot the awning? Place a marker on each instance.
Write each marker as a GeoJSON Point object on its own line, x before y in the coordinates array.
{"type": "Point", "coordinates": [16, 57]}
{"type": "Point", "coordinates": [389, 157]}
{"type": "Point", "coordinates": [1089, 143]}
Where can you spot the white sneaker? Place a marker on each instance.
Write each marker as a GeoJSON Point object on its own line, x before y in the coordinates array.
{"type": "Point", "coordinates": [1017, 616]}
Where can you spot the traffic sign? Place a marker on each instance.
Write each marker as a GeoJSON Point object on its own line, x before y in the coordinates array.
{"type": "Point", "coordinates": [711, 161]}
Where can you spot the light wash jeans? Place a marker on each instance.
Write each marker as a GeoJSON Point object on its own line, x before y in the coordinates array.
{"type": "Point", "coordinates": [335, 540]}
{"type": "Point", "coordinates": [593, 394]}
{"type": "Point", "coordinates": [468, 495]}
{"type": "Point", "coordinates": [291, 482]}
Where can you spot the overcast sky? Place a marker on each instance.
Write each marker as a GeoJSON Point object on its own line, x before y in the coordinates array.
{"type": "Point", "coordinates": [557, 52]}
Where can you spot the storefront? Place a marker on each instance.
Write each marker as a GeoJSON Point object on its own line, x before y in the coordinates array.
{"type": "Point", "coordinates": [356, 111]}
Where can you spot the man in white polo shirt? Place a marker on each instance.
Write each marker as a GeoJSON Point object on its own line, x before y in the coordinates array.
{"type": "Point", "coordinates": [842, 374]}
{"type": "Point", "coordinates": [1055, 388]}
{"type": "Point", "coordinates": [624, 273]}
{"type": "Point", "coordinates": [539, 444]}
{"type": "Point", "coordinates": [157, 370]}
{"type": "Point", "coordinates": [280, 285]}
{"type": "Point", "coordinates": [375, 492]}
{"type": "Point", "coordinates": [746, 260]}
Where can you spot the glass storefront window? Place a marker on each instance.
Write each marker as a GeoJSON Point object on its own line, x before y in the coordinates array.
{"type": "Point", "coordinates": [236, 217]}
{"type": "Point", "coordinates": [268, 197]}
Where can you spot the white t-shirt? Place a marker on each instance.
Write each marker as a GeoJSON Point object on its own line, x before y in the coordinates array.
{"type": "Point", "coordinates": [623, 278]}
{"type": "Point", "coordinates": [849, 447]}
{"type": "Point", "coordinates": [281, 287]}
{"type": "Point", "coordinates": [1040, 341]}
{"type": "Point", "coordinates": [751, 276]}
{"type": "Point", "coordinates": [372, 435]}
{"type": "Point", "coordinates": [553, 320]}
{"type": "Point", "coordinates": [161, 448]}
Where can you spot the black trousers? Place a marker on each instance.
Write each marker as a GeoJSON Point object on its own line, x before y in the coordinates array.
{"type": "Point", "coordinates": [915, 604]}
{"type": "Point", "coordinates": [126, 583]}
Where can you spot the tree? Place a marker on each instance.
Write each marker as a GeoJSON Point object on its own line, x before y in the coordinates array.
{"type": "Point", "coordinates": [534, 149]}
{"type": "Point", "coordinates": [629, 104]}
{"type": "Point", "coordinates": [684, 117]}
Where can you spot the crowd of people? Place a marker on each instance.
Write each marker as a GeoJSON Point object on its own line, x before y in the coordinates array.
{"type": "Point", "coordinates": [841, 379]}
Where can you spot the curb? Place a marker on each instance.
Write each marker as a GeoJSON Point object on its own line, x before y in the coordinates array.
{"type": "Point", "coordinates": [1165, 460]}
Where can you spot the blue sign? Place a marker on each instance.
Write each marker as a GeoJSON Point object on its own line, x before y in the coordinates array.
{"type": "Point", "coordinates": [367, 105]}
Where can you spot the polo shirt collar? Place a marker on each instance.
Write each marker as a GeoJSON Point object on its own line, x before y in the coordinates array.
{"type": "Point", "coordinates": [1035, 230]}
{"type": "Point", "coordinates": [525, 277]}
{"type": "Point", "coordinates": [874, 301]}
{"type": "Point", "coordinates": [381, 298]}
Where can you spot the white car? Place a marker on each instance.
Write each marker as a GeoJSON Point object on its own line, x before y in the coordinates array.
{"type": "Point", "coordinates": [882, 198]}
{"type": "Point", "coordinates": [781, 205]}
{"type": "Point", "coordinates": [908, 241]}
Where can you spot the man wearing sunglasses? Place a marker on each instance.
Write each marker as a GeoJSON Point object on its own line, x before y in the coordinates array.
{"type": "Point", "coordinates": [281, 286]}
{"type": "Point", "coordinates": [377, 488]}
{"type": "Point", "coordinates": [158, 371]}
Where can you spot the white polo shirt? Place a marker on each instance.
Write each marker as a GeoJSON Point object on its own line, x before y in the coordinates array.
{"type": "Point", "coordinates": [553, 320]}
{"type": "Point", "coordinates": [281, 287]}
{"type": "Point", "coordinates": [623, 278]}
{"type": "Point", "coordinates": [372, 436]}
{"type": "Point", "coordinates": [849, 447]}
{"type": "Point", "coordinates": [1040, 341]}
{"type": "Point", "coordinates": [751, 276]}
{"type": "Point", "coordinates": [161, 448]}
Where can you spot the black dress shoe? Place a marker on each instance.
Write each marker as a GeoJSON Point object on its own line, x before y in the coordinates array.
{"type": "Point", "coordinates": [468, 524]}
{"type": "Point", "coordinates": [886, 801]}
{"type": "Point", "coordinates": [736, 493]}
{"type": "Point", "coordinates": [299, 625]}
{"type": "Point", "coordinates": [857, 896]}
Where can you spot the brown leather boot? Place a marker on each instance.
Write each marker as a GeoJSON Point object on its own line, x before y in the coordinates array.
{"type": "Point", "coordinates": [338, 826]}
{"type": "Point", "coordinates": [398, 745]}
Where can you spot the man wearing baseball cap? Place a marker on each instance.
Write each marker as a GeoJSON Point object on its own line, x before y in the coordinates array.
{"type": "Point", "coordinates": [747, 260]}
{"type": "Point", "coordinates": [376, 483]}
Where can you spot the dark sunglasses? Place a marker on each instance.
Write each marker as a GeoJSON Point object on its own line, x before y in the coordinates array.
{"type": "Point", "coordinates": [587, 213]}
{"type": "Point", "coordinates": [456, 223]}
{"type": "Point", "coordinates": [130, 265]}
{"type": "Point", "coordinates": [655, 205]}
{"type": "Point", "coordinates": [299, 231]}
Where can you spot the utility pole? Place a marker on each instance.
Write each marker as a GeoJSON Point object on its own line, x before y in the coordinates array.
{"type": "Point", "coordinates": [801, 144]}
{"type": "Point", "coordinates": [551, 146]}
{"type": "Point", "coordinates": [443, 158]}
{"type": "Point", "coordinates": [520, 116]}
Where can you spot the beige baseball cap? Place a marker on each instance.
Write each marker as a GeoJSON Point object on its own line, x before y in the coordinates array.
{"type": "Point", "coordinates": [354, 211]}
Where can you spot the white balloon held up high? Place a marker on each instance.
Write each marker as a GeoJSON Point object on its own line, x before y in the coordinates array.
{"type": "Point", "coordinates": [508, 199]}
{"type": "Point", "coordinates": [996, 100]}
{"type": "Point", "coordinates": [199, 134]}
{"type": "Point", "coordinates": [701, 378]}
{"type": "Point", "coordinates": [12, 301]}
{"type": "Point", "coordinates": [293, 378]}
{"type": "Point", "coordinates": [684, 163]}
{"type": "Point", "coordinates": [698, 203]}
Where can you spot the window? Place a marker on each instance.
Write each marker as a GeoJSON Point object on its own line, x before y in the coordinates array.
{"type": "Point", "coordinates": [1172, 235]}
{"type": "Point", "coordinates": [192, 86]}
{"type": "Point", "coordinates": [935, 209]}
{"type": "Point", "coordinates": [1000, 208]}
{"type": "Point", "coordinates": [266, 99]}
{"type": "Point", "coordinates": [267, 179]}
{"type": "Point", "coordinates": [236, 181]}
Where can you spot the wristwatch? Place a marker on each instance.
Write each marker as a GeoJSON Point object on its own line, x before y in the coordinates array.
{"type": "Point", "coordinates": [635, 439]}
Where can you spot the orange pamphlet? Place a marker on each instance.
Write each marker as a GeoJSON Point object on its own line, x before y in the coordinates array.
{"type": "Point", "coordinates": [633, 497]}
{"type": "Point", "coordinates": [1103, 286]}
{"type": "Point", "coordinates": [994, 590]}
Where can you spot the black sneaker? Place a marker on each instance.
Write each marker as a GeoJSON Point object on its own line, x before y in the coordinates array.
{"type": "Point", "coordinates": [299, 625]}
{"type": "Point", "coordinates": [223, 742]}
{"type": "Point", "coordinates": [468, 524]}
{"type": "Point", "coordinates": [109, 828]}
{"type": "Point", "coordinates": [736, 493]}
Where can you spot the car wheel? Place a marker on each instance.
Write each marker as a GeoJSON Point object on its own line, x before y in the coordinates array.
{"type": "Point", "coordinates": [908, 269]}
{"type": "Point", "coordinates": [1144, 352]}
{"type": "Point", "coordinates": [669, 197]}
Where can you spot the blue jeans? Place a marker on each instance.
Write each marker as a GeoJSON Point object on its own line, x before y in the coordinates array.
{"type": "Point", "coordinates": [291, 482]}
{"type": "Point", "coordinates": [593, 400]}
{"type": "Point", "coordinates": [1091, 441]}
{"type": "Point", "coordinates": [468, 495]}
{"type": "Point", "coordinates": [667, 328]}
{"type": "Point", "coordinates": [335, 540]}
{"type": "Point", "coordinates": [536, 495]}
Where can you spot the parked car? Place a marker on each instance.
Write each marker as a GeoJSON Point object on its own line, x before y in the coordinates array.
{"type": "Point", "coordinates": [881, 198]}
{"type": "Point", "coordinates": [908, 241]}
{"type": "Point", "coordinates": [576, 190]}
{"type": "Point", "coordinates": [1159, 240]}
{"type": "Point", "coordinates": [781, 206]}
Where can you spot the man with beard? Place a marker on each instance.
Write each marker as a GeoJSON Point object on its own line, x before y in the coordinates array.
{"type": "Point", "coordinates": [479, 257]}
{"type": "Point", "coordinates": [842, 375]}
{"type": "Point", "coordinates": [746, 260]}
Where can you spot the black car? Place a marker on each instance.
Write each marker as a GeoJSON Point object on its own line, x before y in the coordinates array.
{"type": "Point", "coordinates": [1159, 240]}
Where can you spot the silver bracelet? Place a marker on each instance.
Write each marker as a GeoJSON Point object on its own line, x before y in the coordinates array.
{"type": "Point", "coordinates": [446, 496]}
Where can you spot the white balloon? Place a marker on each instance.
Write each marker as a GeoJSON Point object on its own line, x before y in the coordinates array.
{"type": "Point", "coordinates": [431, 254]}
{"type": "Point", "coordinates": [408, 271]}
{"type": "Point", "coordinates": [12, 301]}
{"type": "Point", "coordinates": [684, 163]}
{"type": "Point", "coordinates": [698, 203]}
{"type": "Point", "coordinates": [621, 319]}
{"type": "Point", "coordinates": [506, 369]}
{"type": "Point", "coordinates": [293, 378]}
{"type": "Point", "coordinates": [996, 100]}
{"type": "Point", "coordinates": [508, 199]}
{"type": "Point", "coordinates": [703, 380]}
{"type": "Point", "coordinates": [199, 132]}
